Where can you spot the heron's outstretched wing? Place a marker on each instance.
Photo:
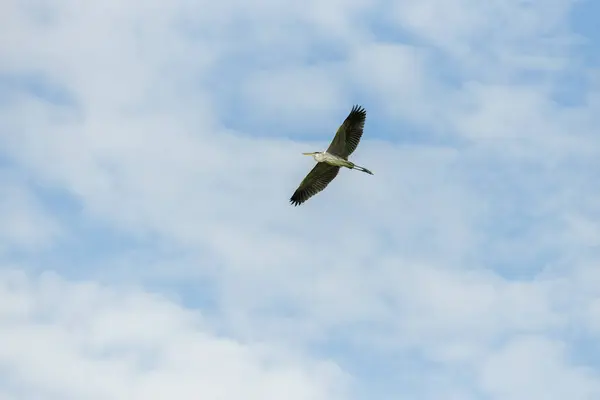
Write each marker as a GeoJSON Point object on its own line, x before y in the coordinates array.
{"type": "Point", "coordinates": [316, 180]}
{"type": "Point", "coordinates": [349, 133]}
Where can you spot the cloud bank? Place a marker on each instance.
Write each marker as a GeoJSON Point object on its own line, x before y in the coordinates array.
{"type": "Point", "coordinates": [148, 151]}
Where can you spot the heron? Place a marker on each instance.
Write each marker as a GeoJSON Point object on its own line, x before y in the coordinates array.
{"type": "Point", "coordinates": [335, 157]}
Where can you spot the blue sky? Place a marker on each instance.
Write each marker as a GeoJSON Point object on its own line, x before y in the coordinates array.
{"type": "Point", "coordinates": [148, 152]}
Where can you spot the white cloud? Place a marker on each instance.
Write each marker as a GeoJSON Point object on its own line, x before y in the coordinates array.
{"type": "Point", "coordinates": [170, 125]}
{"type": "Point", "coordinates": [83, 340]}
{"type": "Point", "coordinates": [534, 367]}
{"type": "Point", "coordinates": [26, 226]}
{"type": "Point", "coordinates": [299, 85]}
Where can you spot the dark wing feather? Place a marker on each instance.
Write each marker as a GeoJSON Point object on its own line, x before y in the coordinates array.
{"type": "Point", "coordinates": [349, 133]}
{"type": "Point", "coordinates": [316, 180]}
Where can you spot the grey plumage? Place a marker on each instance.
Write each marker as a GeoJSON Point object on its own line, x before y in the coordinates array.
{"type": "Point", "coordinates": [329, 162]}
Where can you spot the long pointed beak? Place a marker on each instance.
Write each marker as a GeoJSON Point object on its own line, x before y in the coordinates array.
{"type": "Point", "coordinates": [308, 154]}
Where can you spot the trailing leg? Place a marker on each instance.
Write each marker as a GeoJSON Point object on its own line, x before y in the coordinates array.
{"type": "Point", "coordinates": [363, 169]}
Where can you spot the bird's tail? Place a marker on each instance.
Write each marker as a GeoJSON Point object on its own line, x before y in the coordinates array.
{"type": "Point", "coordinates": [363, 169]}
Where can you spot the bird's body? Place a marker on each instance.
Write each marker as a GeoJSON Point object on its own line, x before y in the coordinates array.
{"type": "Point", "coordinates": [331, 159]}
{"type": "Point", "coordinates": [335, 157]}
{"type": "Point", "coordinates": [336, 161]}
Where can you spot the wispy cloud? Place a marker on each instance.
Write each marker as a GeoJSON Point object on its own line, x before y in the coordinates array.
{"type": "Point", "coordinates": [83, 340]}
{"type": "Point", "coordinates": [148, 152]}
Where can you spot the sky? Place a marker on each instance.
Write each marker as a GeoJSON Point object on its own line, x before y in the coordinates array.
{"type": "Point", "coordinates": [148, 151]}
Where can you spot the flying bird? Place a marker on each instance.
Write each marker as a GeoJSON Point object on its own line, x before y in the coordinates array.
{"type": "Point", "coordinates": [331, 160]}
